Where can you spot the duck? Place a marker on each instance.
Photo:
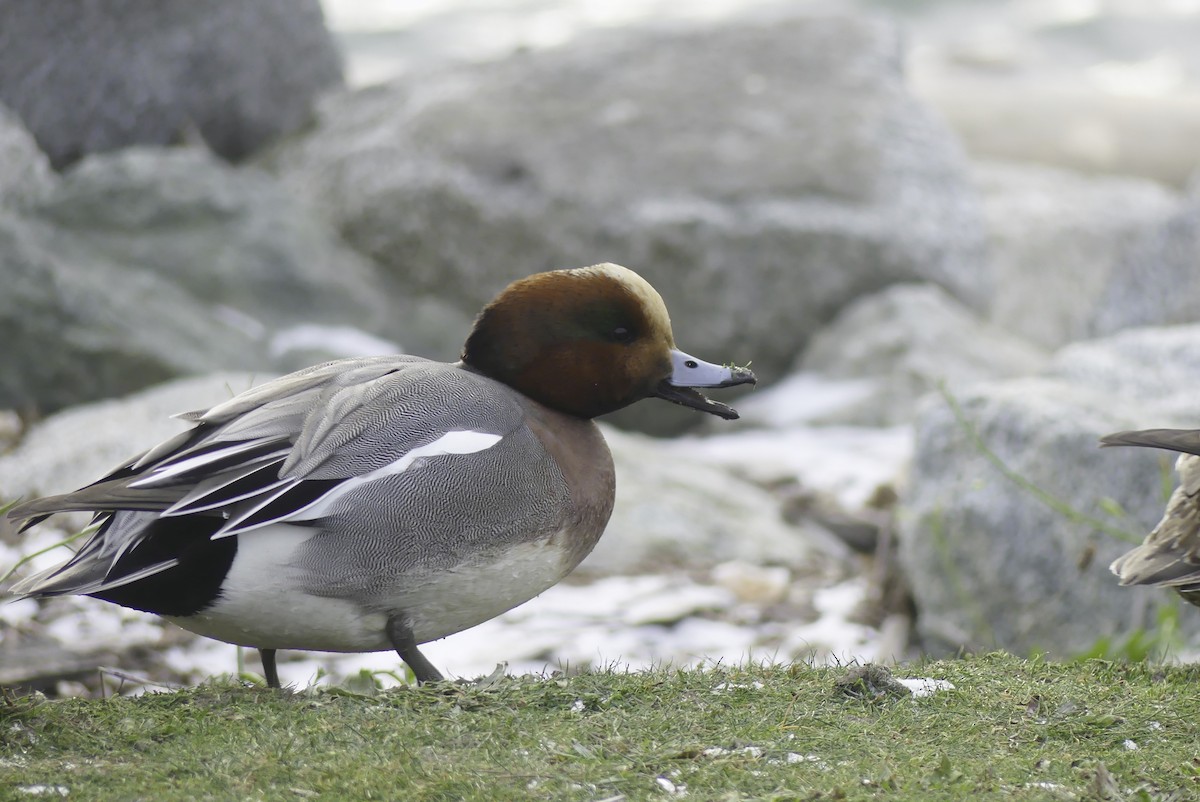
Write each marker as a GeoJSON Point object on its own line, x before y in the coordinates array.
{"type": "Point", "coordinates": [380, 503]}
{"type": "Point", "coordinates": [1170, 555]}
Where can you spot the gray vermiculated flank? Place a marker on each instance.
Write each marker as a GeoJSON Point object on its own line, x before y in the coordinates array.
{"type": "Point", "coordinates": [507, 494]}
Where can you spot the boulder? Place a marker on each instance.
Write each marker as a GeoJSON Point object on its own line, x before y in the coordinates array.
{"type": "Point", "coordinates": [905, 341]}
{"type": "Point", "coordinates": [761, 174]}
{"type": "Point", "coordinates": [75, 328]}
{"type": "Point", "coordinates": [1076, 256]}
{"type": "Point", "coordinates": [95, 77]}
{"type": "Point", "coordinates": [1012, 513]}
{"type": "Point", "coordinates": [227, 236]}
{"type": "Point", "coordinates": [1160, 280]}
{"type": "Point", "coordinates": [1157, 367]}
{"type": "Point", "coordinates": [25, 174]}
{"type": "Point", "coordinates": [676, 510]}
{"type": "Point", "coordinates": [147, 264]}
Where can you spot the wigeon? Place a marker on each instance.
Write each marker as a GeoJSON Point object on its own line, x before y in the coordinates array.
{"type": "Point", "coordinates": [381, 503]}
{"type": "Point", "coordinates": [1170, 554]}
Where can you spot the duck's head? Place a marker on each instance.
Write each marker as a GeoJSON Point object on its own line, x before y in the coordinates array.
{"type": "Point", "coordinates": [590, 341]}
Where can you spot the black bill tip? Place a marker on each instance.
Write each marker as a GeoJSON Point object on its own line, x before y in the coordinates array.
{"type": "Point", "coordinates": [694, 399]}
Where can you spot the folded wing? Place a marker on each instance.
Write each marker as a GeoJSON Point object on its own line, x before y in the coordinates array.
{"type": "Point", "coordinates": [283, 452]}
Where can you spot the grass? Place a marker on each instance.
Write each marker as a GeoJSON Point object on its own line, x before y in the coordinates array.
{"type": "Point", "coordinates": [1011, 729]}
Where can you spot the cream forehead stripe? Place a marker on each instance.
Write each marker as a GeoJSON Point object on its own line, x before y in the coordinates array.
{"type": "Point", "coordinates": [642, 290]}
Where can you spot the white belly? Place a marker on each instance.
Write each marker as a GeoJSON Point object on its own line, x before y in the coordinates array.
{"type": "Point", "coordinates": [264, 604]}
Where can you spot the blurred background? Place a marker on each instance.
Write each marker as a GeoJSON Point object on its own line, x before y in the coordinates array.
{"type": "Point", "coordinates": [959, 241]}
{"type": "Point", "coordinates": [1103, 86]}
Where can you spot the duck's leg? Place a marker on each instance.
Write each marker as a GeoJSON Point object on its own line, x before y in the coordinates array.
{"type": "Point", "coordinates": [268, 664]}
{"type": "Point", "coordinates": [406, 646]}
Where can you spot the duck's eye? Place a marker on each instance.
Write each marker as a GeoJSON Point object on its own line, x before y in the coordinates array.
{"type": "Point", "coordinates": [622, 335]}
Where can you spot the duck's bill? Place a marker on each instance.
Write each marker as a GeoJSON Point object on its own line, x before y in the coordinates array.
{"type": "Point", "coordinates": [688, 373]}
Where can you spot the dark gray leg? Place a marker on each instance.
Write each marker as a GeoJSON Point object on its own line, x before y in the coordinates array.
{"type": "Point", "coordinates": [402, 640]}
{"type": "Point", "coordinates": [268, 663]}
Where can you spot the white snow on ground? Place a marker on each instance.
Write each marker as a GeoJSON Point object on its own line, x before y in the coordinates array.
{"type": "Point", "coordinates": [926, 686]}
{"type": "Point", "coordinates": [339, 340]}
{"type": "Point", "coordinates": [847, 462]}
{"type": "Point", "coordinates": [608, 623]}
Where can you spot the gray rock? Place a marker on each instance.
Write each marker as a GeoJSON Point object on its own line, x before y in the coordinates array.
{"type": "Point", "coordinates": [1156, 367]}
{"type": "Point", "coordinates": [230, 237]}
{"type": "Point", "coordinates": [906, 340]}
{"type": "Point", "coordinates": [94, 77]}
{"type": "Point", "coordinates": [993, 558]}
{"type": "Point", "coordinates": [11, 428]}
{"type": "Point", "coordinates": [1160, 280]}
{"type": "Point", "coordinates": [146, 264]}
{"type": "Point", "coordinates": [25, 173]}
{"type": "Point", "coordinates": [1069, 252]}
{"type": "Point", "coordinates": [76, 329]}
{"type": "Point", "coordinates": [674, 512]}
{"type": "Point", "coordinates": [37, 664]}
{"type": "Point", "coordinates": [695, 157]}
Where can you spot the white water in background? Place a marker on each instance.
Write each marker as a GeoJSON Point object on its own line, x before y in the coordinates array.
{"type": "Point", "coordinates": [384, 38]}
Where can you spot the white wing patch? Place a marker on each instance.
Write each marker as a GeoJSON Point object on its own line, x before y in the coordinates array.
{"type": "Point", "coordinates": [458, 442]}
{"type": "Point", "coordinates": [449, 443]}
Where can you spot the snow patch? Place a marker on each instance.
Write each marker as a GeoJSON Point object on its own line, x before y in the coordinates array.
{"type": "Point", "coordinates": [337, 340]}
